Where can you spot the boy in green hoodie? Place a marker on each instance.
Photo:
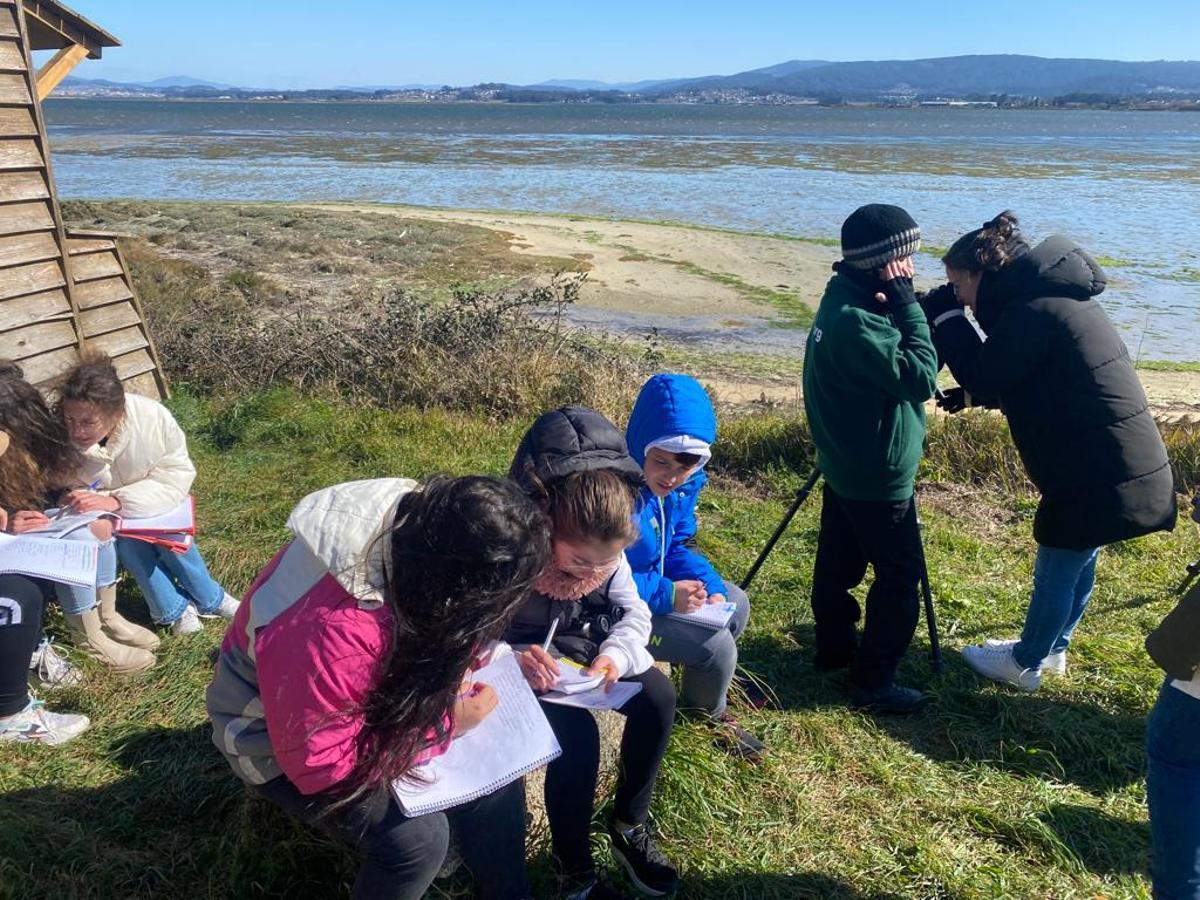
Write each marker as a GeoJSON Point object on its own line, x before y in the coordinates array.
{"type": "Point", "coordinates": [869, 367]}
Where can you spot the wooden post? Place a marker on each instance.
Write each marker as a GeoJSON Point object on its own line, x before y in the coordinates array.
{"type": "Point", "coordinates": [58, 67]}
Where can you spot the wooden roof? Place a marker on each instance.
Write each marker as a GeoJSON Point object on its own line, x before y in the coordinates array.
{"type": "Point", "coordinates": [54, 25]}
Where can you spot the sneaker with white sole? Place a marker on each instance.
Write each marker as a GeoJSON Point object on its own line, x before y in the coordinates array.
{"type": "Point", "coordinates": [37, 725]}
{"type": "Point", "coordinates": [1054, 664]}
{"type": "Point", "coordinates": [227, 610]}
{"type": "Point", "coordinates": [51, 669]}
{"type": "Point", "coordinates": [188, 623]}
{"type": "Point", "coordinates": [997, 663]}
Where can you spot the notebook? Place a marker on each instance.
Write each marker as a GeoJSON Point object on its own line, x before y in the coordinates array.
{"type": "Point", "coordinates": [180, 519]}
{"type": "Point", "coordinates": [69, 562]}
{"type": "Point", "coordinates": [712, 615]}
{"type": "Point", "coordinates": [512, 741]}
{"type": "Point", "coordinates": [572, 680]}
{"type": "Point", "coordinates": [599, 698]}
{"type": "Point", "coordinates": [63, 521]}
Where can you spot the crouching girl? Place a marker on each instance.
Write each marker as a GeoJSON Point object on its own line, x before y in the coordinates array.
{"type": "Point", "coordinates": [342, 669]}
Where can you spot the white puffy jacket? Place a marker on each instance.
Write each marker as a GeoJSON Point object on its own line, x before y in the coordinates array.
{"type": "Point", "coordinates": [144, 463]}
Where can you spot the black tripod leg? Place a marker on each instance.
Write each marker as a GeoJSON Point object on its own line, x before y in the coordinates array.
{"type": "Point", "coordinates": [1193, 570]}
{"type": "Point", "coordinates": [801, 496]}
{"type": "Point", "coordinates": [935, 646]}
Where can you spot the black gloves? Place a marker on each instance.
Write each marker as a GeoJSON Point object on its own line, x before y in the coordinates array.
{"type": "Point", "coordinates": [899, 292]}
{"type": "Point", "coordinates": [1196, 508]}
{"type": "Point", "coordinates": [940, 301]}
{"type": "Point", "coordinates": [953, 400]}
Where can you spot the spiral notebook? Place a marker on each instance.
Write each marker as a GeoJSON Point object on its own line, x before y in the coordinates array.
{"type": "Point", "coordinates": [514, 740]}
{"type": "Point", "coordinates": [70, 562]}
{"type": "Point", "coordinates": [712, 615]}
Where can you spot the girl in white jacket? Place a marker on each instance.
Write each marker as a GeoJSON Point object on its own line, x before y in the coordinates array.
{"type": "Point", "coordinates": [136, 455]}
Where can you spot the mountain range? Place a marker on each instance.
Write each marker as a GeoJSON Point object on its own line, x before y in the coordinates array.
{"type": "Point", "coordinates": [946, 77]}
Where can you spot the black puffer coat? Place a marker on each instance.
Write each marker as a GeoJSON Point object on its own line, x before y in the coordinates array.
{"type": "Point", "coordinates": [1076, 409]}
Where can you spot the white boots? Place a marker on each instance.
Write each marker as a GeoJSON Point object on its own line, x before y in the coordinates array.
{"type": "Point", "coordinates": [102, 633]}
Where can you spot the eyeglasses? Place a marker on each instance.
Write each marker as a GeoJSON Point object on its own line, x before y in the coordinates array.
{"type": "Point", "coordinates": [587, 568]}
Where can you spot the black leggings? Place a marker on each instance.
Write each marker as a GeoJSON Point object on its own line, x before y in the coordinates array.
{"type": "Point", "coordinates": [571, 779]}
{"type": "Point", "coordinates": [20, 631]}
{"type": "Point", "coordinates": [402, 855]}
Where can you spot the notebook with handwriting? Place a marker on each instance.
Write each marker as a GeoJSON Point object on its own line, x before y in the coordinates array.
{"type": "Point", "coordinates": [514, 740]}
{"type": "Point", "coordinates": [712, 615]}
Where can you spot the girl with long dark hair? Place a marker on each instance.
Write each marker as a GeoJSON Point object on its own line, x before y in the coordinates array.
{"type": "Point", "coordinates": [344, 669]}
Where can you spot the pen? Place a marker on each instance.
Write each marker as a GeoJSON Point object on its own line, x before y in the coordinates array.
{"type": "Point", "coordinates": [550, 635]}
{"type": "Point", "coordinates": [95, 485]}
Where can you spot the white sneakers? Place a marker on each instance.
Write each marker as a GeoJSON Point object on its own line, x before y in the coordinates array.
{"type": "Point", "coordinates": [37, 725]}
{"type": "Point", "coordinates": [1054, 664]}
{"type": "Point", "coordinates": [996, 662]}
{"type": "Point", "coordinates": [189, 622]}
{"type": "Point", "coordinates": [51, 669]}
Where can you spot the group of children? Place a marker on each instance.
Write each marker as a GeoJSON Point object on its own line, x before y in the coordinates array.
{"type": "Point", "coordinates": [349, 663]}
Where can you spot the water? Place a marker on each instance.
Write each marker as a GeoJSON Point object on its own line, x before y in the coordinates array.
{"type": "Point", "coordinates": [1125, 184]}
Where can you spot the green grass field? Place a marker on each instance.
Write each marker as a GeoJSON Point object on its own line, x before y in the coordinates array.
{"type": "Point", "coordinates": [989, 794]}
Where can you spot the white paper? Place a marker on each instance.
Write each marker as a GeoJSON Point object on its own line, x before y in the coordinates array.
{"type": "Point", "coordinates": [63, 523]}
{"type": "Point", "coordinates": [512, 741]}
{"type": "Point", "coordinates": [711, 615]}
{"type": "Point", "coordinates": [571, 679]}
{"type": "Point", "coordinates": [620, 694]}
{"type": "Point", "coordinates": [70, 562]}
{"type": "Point", "coordinates": [181, 518]}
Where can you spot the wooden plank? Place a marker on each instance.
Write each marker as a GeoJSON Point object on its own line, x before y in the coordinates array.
{"type": "Point", "coordinates": [16, 218]}
{"type": "Point", "coordinates": [8, 23]}
{"type": "Point", "coordinates": [20, 153]}
{"type": "Point", "coordinates": [14, 89]}
{"type": "Point", "coordinates": [95, 265]}
{"type": "Point", "coordinates": [102, 319]}
{"type": "Point", "coordinates": [116, 343]}
{"type": "Point", "coordinates": [31, 278]}
{"type": "Point", "coordinates": [133, 364]}
{"type": "Point", "coordinates": [12, 57]}
{"type": "Point", "coordinates": [34, 339]}
{"type": "Point", "coordinates": [49, 366]}
{"type": "Point", "coordinates": [16, 122]}
{"type": "Point", "coordinates": [145, 384]}
{"type": "Point", "coordinates": [59, 67]}
{"type": "Point", "coordinates": [18, 311]}
{"type": "Point", "coordinates": [97, 293]}
{"type": "Point", "coordinates": [26, 248]}
{"type": "Point", "coordinates": [78, 246]}
{"type": "Point", "coordinates": [18, 186]}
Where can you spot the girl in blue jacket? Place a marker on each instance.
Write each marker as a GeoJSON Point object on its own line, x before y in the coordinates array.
{"type": "Point", "coordinates": [670, 434]}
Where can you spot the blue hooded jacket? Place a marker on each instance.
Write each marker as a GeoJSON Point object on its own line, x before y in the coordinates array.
{"type": "Point", "coordinates": [670, 405]}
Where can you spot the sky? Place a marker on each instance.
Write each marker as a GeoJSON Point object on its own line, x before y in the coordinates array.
{"type": "Point", "coordinates": [303, 44]}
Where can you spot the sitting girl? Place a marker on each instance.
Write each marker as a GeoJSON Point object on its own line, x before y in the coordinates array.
{"type": "Point", "coordinates": [344, 668]}
{"type": "Point", "coordinates": [38, 468]}
{"type": "Point", "coordinates": [574, 463]}
{"type": "Point", "coordinates": [136, 454]}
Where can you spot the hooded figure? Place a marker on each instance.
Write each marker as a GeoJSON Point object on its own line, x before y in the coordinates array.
{"type": "Point", "coordinates": [1055, 365]}
{"type": "Point", "coordinates": [670, 434]}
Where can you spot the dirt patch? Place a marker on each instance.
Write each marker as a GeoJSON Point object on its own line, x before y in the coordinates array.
{"type": "Point", "coordinates": [966, 504]}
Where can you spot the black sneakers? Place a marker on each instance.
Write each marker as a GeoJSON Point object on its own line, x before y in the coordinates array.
{"type": "Point", "coordinates": [891, 699]}
{"type": "Point", "coordinates": [736, 740]}
{"type": "Point", "coordinates": [589, 887]}
{"type": "Point", "coordinates": [650, 871]}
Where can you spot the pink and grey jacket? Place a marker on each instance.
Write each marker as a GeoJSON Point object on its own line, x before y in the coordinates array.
{"type": "Point", "coordinates": [302, 652]}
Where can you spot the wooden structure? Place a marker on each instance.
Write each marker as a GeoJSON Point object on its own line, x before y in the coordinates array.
{"type": "Point", "coordinates": [60, 291]}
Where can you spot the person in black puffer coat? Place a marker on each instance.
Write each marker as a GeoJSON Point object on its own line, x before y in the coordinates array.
{"type": "Point", "coordinates": [1055, 365]}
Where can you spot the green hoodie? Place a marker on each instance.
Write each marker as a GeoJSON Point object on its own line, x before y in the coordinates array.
{"type": "Point", "coordinates": [868, 370]}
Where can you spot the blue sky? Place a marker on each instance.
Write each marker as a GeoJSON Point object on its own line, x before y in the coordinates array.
{"type": "Point", "coordinates": [264, 43]}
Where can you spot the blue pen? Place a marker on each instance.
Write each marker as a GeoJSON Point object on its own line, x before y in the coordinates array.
{"type": "Point", "coordinates": [95, 485]}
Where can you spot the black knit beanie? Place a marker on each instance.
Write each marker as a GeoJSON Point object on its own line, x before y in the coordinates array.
{"type": "Point", "coordinates": [876, 234]}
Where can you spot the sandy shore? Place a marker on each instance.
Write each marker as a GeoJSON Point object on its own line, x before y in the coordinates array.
{"type": "Point", "coordinates": [672, 270]}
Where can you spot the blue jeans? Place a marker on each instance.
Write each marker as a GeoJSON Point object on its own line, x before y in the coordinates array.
{"type": "Point", "coordinates": [1173, 793]}
{"type": "Point", "coordinates": [169, 580]}
{"type": "Point", "coordinates": [78, 600]}
{"type": "Point", "coordinates": [1062, 586]}
{"type": "Point", "coordinates": [709, 657]}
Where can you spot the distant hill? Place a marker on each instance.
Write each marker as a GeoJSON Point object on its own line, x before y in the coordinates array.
{"type": "Point", "coordinates": [958, 76]}
{"type": "Point", "coordinates": [576, 84]}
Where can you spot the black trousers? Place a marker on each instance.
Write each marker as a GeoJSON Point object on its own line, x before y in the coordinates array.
{"type": "Point", "coordinates": [571, 779]}
{"type": "Point", "coordinates": [403, 855]}
{"type": "Point", "coordinates": [855, 534]}
{"type": "Point", "coordinates": [20, 632]}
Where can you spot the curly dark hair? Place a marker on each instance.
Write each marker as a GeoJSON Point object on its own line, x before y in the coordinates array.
{"type": "Point", "coordinates": [463, 553]}
{"type": "Point", "coordinates": [987, 249]}
{"type": "Point", "coordinates": [42, 460]}
{"type": "Point", "coordinates": [94, 380]}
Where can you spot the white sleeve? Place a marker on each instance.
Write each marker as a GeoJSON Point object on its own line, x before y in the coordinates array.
{"type": "Point", "coordinates": [169, 474]}
{"type": "Point", "coordinates": [626, 646]}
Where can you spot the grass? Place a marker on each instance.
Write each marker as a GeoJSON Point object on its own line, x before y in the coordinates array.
{"type": "Point", "coordinates": [991, 793]}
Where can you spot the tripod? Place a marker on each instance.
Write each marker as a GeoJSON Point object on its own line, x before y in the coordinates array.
{"type": "Point", "coordinates": [1193, 569]}
{"type": "Point", "coordinates": [935, 649]}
